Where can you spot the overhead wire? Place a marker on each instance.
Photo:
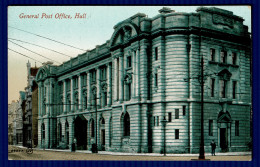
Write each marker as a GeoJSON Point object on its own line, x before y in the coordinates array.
{"type": "Point", "coordinates": [40, 47]}
{"type": "Point", "coordinates": [47, 38]}
{"type": "Point", "coordinates": [34, 52]}
{"type": "Point", "coordinates": [25, 55]}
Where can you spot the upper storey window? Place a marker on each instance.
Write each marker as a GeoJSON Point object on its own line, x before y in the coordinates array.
{"type": "Point", "coordinates": [223, 88]}
{"type": "Point", "coordinates": [212, 54]}
{"type": "Point", "coordinates": [156, 53]}
{"type": "Point", "coordinates": [129, 61]}
{"type": "Point", "coordinates": [223, 56]}
{"type": "Point", "coordinates": [103, 73]}
{"type": "Point", "coordinates": [93, 76]}
{"type": "Point", "coordinates": [84, 80]}
{"type": "Point", "coordinates": [234, 58]}
{"type": "Point", "coordinates": [75, 84]}
{"type": "Point", "coordinates": [68, 85]}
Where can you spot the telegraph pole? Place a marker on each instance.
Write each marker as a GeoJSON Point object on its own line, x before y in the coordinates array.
{"type": "Point", "coordinates": [202, 151]}
{"type": "Point", "coordinates": [96, 149]}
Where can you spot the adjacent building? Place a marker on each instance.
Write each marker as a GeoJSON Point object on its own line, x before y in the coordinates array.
{"type": "Point", "coordinates": [120, 94]}
{"type": "Point", "coordinates": [30, 124]}
{"type": "Point", "coordinates": [12, 111]}
{"type": "Point", "coordinates": [18, 121]}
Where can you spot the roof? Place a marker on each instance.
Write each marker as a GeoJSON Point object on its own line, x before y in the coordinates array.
{"type": "Point", "coordinates": [34, 71]}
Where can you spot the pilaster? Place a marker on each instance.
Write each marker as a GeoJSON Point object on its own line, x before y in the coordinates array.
{"type": "Point", "coordinates": [72, 95]}
{"type": "Point", "coordinates": [109, 85]}
{"type": "Point", "coordinates": [121, 78]}
{"type": "Point", "coordinates": [80, 92]}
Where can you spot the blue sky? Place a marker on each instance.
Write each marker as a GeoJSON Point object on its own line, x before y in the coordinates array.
{"type": "Point", "coordinates": [96, 29]}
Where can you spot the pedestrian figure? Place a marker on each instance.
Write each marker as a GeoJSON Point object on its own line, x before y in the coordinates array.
{"type": "Point", "coordinates": [75, 143]}
{"type": "Point", "coordinates": [213, 147]}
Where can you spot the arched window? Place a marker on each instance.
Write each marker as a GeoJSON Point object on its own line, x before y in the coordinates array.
{"type": "Point", "coordinates": [102, 131]}
{"type": "Point", "coordinates": [59, 132]}
{"type": "Point", "coordinates": [67, 132]}
{"type": "Point", "coordinates": [110, 131]}
{"type": "Point", "coordinates": [126, 125]}
{"type": "Point", "coordinates": [43, 131]}
{"type": "Point", "coordinates": [92, 128]}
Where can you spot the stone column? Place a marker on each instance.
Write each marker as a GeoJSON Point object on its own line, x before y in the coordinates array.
{"type": "Point", "coordinates": [138, 74]}
{"type": "Point", "coordinates": [109, 85]}
{"type": "Point", "coordinates": [51, 94]}
{"type": "Point", "coordinates": [71, 95]}
{"type": "Point", "coordinates": [121, 78]}
{"type": "Point", "coordinates": [134, 74]}
{"type": "Point", "coordinates": [98, 88]}
{"type": "Point", "coordinates": [89, 91]}
{"type": "Point", "coordinates": [42, 97]}
{"type": "Point", "coordinates": [47, 103]}
{"type": "Point", "coordinates": [64, 97]}
{"type": "Point", "coordinates": [80, 103]}
{"type": "Point", "coordinates": [40, 100]}
{"type": "Point", "coordinates": [115, 80]}
{"type": "Point", "coordinates": [71, 132]}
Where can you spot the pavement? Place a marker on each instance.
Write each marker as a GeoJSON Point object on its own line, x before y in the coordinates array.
{"type": "Point", "coordinates": [145, 154]}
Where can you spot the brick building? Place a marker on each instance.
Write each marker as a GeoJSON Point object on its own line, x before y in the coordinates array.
{"type": "Point", "coordinates": [119, 93]}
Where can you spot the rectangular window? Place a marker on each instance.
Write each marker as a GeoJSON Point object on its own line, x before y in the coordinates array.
{"type": "Point", "coordinates": [156, 80]}
{"type": "Point", "coordinates": [169, 117]}
{"type": "Point", "coordinates": [68, 85]}
{"type": "Point", "coordinates": [212, 54]}
{"type": "Point", "coordinates": [154, 121]}
{"type": "Point", "coordinates": [156, 53]}
{"type": "Point", "coordinates": [234, 58]}
{"type": "Point", "coordinates": [237, 128]}
{"type": "Point", "coordinates": [157, 121]}
{"type": "Point", "coordinates": [223, 87]}
{"type": "Point", "coordinates": [75, 82]}
{"type": "Point", "coordinates": [212, 87]}
{"type": "Point", "coordinates": [93, 76]}
{"type": "Point", "coordinates": [84, 80]}
{"type": "Point", "coordinates": [223, 57]}
{"type": "Point", "coordinates": [103, 73]}
{"type": "Point", "coordinates": [184, 110]}
{"type": "Point", "coordinates": [210, 127]}
{"type": "Point", "coordinates": [176, 133]}
{"type": "Point", "coordinates": [129, 61]}
{"type": "Point", "coordinates": [176, 113]}
{"type": "Point", "coordinates": [234, 89]}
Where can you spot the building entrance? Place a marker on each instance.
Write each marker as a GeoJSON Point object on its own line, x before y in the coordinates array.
{"type": "Point", "coordinates": [223, 139]}
{"type": "Point", "coordinates": [80, 132]}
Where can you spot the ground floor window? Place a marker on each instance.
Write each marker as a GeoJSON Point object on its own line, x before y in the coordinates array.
{"type": "Point", "coordinates": [126, 125]}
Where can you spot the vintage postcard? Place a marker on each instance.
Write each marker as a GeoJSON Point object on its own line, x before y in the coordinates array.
{"type": "Point", "coordinates": [159, 83]}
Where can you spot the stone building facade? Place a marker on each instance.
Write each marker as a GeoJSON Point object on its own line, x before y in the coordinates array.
{"type": "Point", "coordinates": [12, 111]}
{"type": "Point", "coordinates": [30, 124]}
{"type": "Point", "coordinates": [18, 120]}
{"type": "Point", "coordinates": [121, 93]}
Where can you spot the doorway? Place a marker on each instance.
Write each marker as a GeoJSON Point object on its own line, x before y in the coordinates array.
{"type": "Point", "coordinates": [223, 139]}
{"type": "Point", "coordinates": [81, 132]}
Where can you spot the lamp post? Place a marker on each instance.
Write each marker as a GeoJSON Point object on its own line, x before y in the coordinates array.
{"type": "Point", "coordinates": [201, 78]}
{"type": "Point", "coordinates": [164, 121]}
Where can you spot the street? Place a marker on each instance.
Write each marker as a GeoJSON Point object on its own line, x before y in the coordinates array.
{"type": "Point", "coordinates": [16, 153]}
